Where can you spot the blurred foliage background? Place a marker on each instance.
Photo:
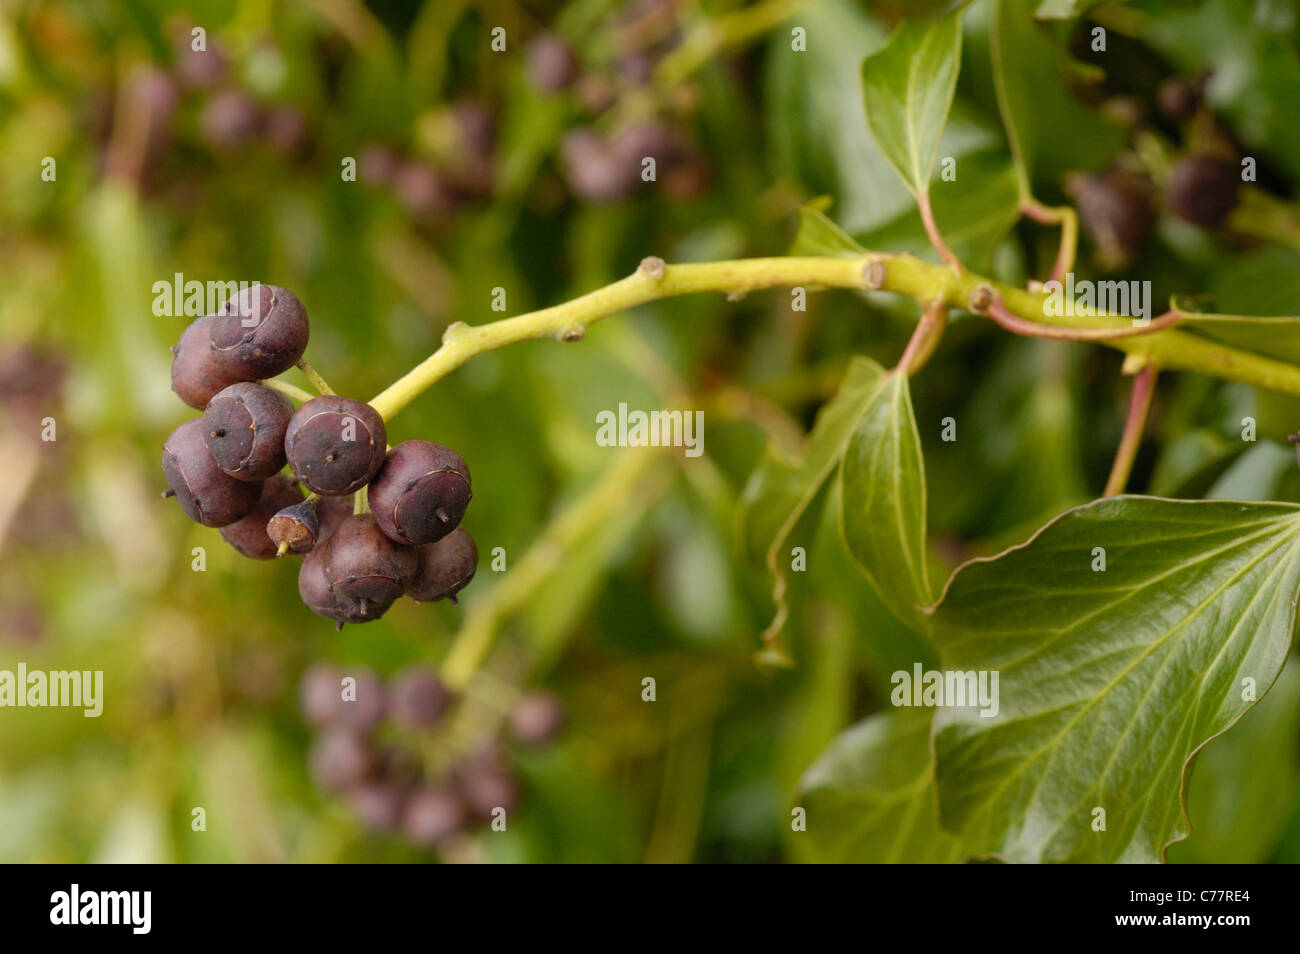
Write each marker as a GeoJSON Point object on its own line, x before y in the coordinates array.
{"type": "Point", "coordinates": [237, 175]}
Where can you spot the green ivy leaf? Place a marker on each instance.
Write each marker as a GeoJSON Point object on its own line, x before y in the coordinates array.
{"type": "Point", "coordinates": [819, 236]}
{"type": "Point", "coordinates": [782, 489]}
{"type": "Point", "coordinates": [1048, 129]}
{"type": "Point", "coordinates": [908, 88]}
{"type": "Point", "coordinates": [974, 212]}
{"type": "Point", "coordinates": [1252, 296]}
{"type": "Point", "coordinates": [882, 494]}
{"type": "Point", "coordinates": [1109, 682]}
{"type": "Point", "coordinates": [870, 796]}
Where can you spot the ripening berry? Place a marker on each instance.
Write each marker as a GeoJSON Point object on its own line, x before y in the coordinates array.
{"type": "Point", "coordinates": [444, 568]}
{"type": "Point", "coordinates": [207, 495]}
{"type": "Point", "coordinates": [432, 814]}
{"type": "Point", "coordinates": [552, 65]}
{"type": "Point", "coordinates": [197, 376]}
{"type": "Point", "coordinates": [592, 169]}
{"type": "Point", "coordinates": [377, 164]}
{"type": "Point", "coordinates": [363, 566]}
{"type": "Point", "coordinates": [485, 788]}
{"type": "Point", "coordinates": [417, 698]}
{"type": "Point", "coordinates": [1202, 190]}
{"type": "Point", "coordinates": [320, 693]}
{"type": "Point", "coordinates": [421, 189]}
{"type": "Point", "coordinates": [378, 804]}
{"type": "Point", "coordinates": [287, 131]}
{"type": "Point", "coordinates": [260, 332]}
{"type": "Point", "coordinates": [1177, 97]}
{"type": "Point", "coordinates": [421, 492]}
{"type": "Point", "coordinates": [294, 529]}
{"type": "Point", "coordinates": [340, 759]}
{"type": "Point", "coordinates": [331, 512]}
{"type": "Point", "coordinates": [1115, 210]}
{"type": "Point", "coordinates": [244, 429]}
{"type": "Point", "coordinates": [536, 718]}
{"type": "Point", "coordinates": [335, 445]}
{"type": "Point", "coordinates": [248, 534]}
{"type": "Point", "coordinates": [230, 120]}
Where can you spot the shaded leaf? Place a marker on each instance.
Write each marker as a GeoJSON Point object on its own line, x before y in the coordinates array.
{"type": "Point", "coordinates": [1109, 681]}
{"type": "Point", "coordinates": [882, 487]}
{"type": "Point", "coordinates": [818, 236]}
{"type": "Point", "coordinates": [781, 489]}
{"type": "Point", "coordinates": [870, 795]}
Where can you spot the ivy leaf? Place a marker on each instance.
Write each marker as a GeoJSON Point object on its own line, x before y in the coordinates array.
{"type": "Point", "coordinates": [1048, 129]}
{"type": "Point", "coordinates": [782, 489]}
{"type": "Point", "coordinates": [974, 212]}
{"type": "Point", "coordinates": [882, 495]}
{"type": "Point", "coordinates": [908, 87]}
{"type": "Point", "coordinates": [1245, 292]}
{"type": "Point", "coordinates": [819, 236]}
{"type": "Point", "coordinates": [1109, 682]}
{"type": "Point", "coordinates": [870, 795]}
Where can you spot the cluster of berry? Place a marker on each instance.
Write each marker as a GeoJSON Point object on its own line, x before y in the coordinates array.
{"type": "Point", "coordinates": [605, 167]}
{"type": "Point", "coordinates": [1117, 206]}
{"type": "Point", "coordinates": [382, 780]}
{"type": "Point", "coordinates": [461, 172]}
{"type": "Point", "coordinates": [224, 470]}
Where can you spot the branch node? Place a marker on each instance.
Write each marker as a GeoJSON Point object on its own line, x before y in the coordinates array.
{"type": "Point", "coordinates": [452, 330]}
{"type": "Point", "coordinates": [736, 295]}
{"type": "Point", "coordinates": [981, 297]}
{"type": "Point", "coordinates": [576, 333]}
{"type": "Point", "coordinates": [652, 266]}
{"type": "Point", "coordinates": [874, 274]}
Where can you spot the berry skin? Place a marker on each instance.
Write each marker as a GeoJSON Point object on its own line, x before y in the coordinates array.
{"type": "Point", "coordinates": [207, 495]}
{"type": "Point", "coordinates": [320, 693]}
{"type": "Point", "coordinates": [444, 568]}
{"type": "Point", "coordinates": [244, 430]}
{"type": "Point", "coordinates": [335, 445]}
{"type": "Point", "coordinates": [331, 512]}
{"type": "Point", "coordinates": [536, 718]}
{"type": "Point", "coordinates": [431, 815]}
{"type": "Point", "coordinates": [1203, 191]}
{"type": "Point", "coordinates": [417, 698]}
{"type": "Point", "coordinates": [1115, 210]}
{"type": "Point", "coordinates": [552, 65]}
{"type": "Point", "coordinates": [248, 534]}
{"type": "Point", "coordinates": [378, 805]}
{"type": "Point", "coordinates": [340, 759]}
{"type": "Point", "coordinates": [197, 376]}
{"type": "Point", "coordinates": [363, 566]}
{"type": "Point", "coordinates": [260, 332]}
{"type": "Point", "coordinates": [295, 528]}
{"type": "Point", "coordinates": [420, 493]}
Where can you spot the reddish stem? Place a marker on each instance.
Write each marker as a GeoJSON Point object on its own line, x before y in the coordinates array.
{"type": "Point", "coordinates": [1139, 408]}
{"type": "Point", "coordinates": [1034, 329]}
{"type": "Point", "coordinates": [932, 230]}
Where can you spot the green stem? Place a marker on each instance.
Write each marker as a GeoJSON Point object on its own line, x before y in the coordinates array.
{"type": "Point", "coordinates": [314, 377]}
{"type": "Point", "coordinates": [288, 390]}
{"type": "Point", "coordinates": [904, 274]}
{"type": "Point", "coordinates": [708, 38]}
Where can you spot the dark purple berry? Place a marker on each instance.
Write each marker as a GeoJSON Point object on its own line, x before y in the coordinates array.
{"type": "Point", "coordinates": [260, 332]}
{"type": "Point", "coordinates": [230, 120]}
{"type": "Point", "coordinates": [248, 534]}
{"type": "Point", "coordinates": [421, 492]}
{"type": "Point", "coordinates": [592, 169]}
{"type": "Point", "coordinates": [287, 131]}
{"type": "Point", "coordinates": [421, 189]}
{"type": "Point", "coordinates": [444, 568]}
{"type": "Point", "coordinates": [320, 597]}
{"type": "Point", "coordinates": [378, 805]}
{"type": "Point", "coordinates": [197, 376]}
{"type": "Point", "coordinates": [1202, 190]}
{"type": "Point", "coordinates": [417, 698]}
{"type": "Point", "coordinates": [331, 512]}
{"type": "Point", "coordinates": [244, 429]}
{"type": "Point", "coordinates": [340, 759]}
{"type": "Point", "coordinates": [1177, 97]}
{"type": "Point", "coordinates": [363, 566]}
{"type": "Point", "coordinates": [486, 787]}
{"type": "Point", "coordinates": [294, 529]}
{"type": "Point", "coordinates": [207, 495]}
{"type": "Point", "coordinates": [320, 694]}
{"type": "Point", "coordinates": [197, 69]}
{"type": "Point", "coordinates": [1115, 210]}
{"type": "Point", "coordinates": [536, 718]}
{"type": "Point", "coordinates": [335, 445]}
{"type": "Point", "coordinates": [432, 814]}
{"type": "Point", "coordinates": [552, 65]}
